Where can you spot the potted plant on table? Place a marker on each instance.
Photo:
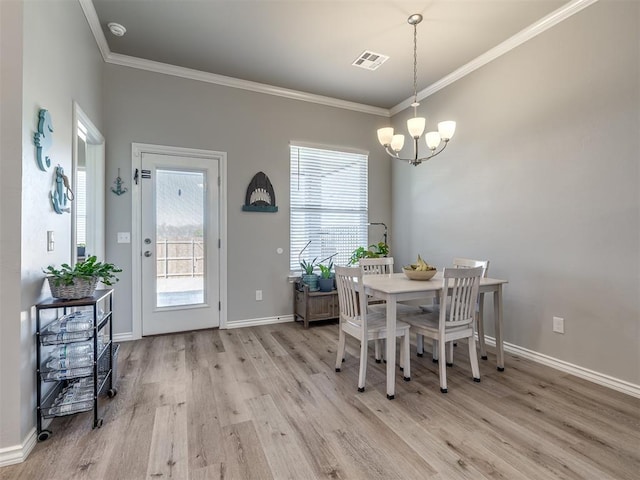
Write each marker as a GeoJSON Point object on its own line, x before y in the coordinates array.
{"type": "Point", "coordinates": [326, 279]}
{"type": "Point", "coordinates": [79, 281]}
{"type": "Point", "coordinates": [308, 277]}
{"type": "Point", "coordinates": [376, 250]}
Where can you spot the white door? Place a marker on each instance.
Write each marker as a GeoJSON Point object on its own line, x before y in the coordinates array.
{"type": "Point", "coordinates": [180, 265]}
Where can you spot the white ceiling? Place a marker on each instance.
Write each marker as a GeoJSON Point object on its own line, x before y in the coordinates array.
{"type": "Point", "coordinates": [308, 46]}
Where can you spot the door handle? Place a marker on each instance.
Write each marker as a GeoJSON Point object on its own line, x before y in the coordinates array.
{"type": "Point", "coordinates": [147, 253]}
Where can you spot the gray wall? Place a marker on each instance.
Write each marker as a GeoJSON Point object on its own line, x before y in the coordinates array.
{"type": "Point", "coordinates": [542, 179]}
{"type": "Point", "coordinates": [255, 130]}
{"type": "Point", "coordinates": [10, 200]}
{"type": "Point", "coordinates": [55, 61]}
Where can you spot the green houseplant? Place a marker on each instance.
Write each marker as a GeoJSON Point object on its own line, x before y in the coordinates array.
{"type": "Point", "coordinates": [308, 277]}
{"type": "Point", "coordinates": [80, 281]}
{"type": "Point", "coordinates": [376, 250]}
{"type": "Point", "coordinates": [326, 279]}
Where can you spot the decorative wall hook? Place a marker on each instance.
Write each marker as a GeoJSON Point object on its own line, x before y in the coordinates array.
{"type": "Point", "coordinates": [61, 193]}
{"type": "Point", "coordinates": [119, 188]}
{"type": "Point", "coordinates": [43, 139]}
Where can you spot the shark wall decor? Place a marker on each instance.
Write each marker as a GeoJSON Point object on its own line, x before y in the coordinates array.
{"type": "Point", "coordinates": [260, 195]}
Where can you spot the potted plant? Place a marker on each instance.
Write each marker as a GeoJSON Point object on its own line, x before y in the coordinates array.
{"type": "Point", "coordinates": [325, 281]}
{"type": "Point", "coordinates": [80, 281]}
{"type": "Point", "coordinates": [308, 277]}
{"type": "Point", "coordinates": [376, 250]}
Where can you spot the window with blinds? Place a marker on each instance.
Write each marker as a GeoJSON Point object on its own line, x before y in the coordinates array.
{"type": "Point", "coordinates": [329, 205]}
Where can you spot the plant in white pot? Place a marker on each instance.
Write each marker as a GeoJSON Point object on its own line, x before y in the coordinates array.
{"type": "Point", "coordinates": [79, 281]}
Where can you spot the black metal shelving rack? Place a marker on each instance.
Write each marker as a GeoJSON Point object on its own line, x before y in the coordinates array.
{"type": "Point", "coordinates": [106, 354]}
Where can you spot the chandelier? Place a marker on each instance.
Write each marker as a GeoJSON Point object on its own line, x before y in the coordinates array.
{"type": "Point", "coordinates": [436, 141]}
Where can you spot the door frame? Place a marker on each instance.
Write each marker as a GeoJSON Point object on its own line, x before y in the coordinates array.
{"type": "Point", "coordinates": [137, 149]}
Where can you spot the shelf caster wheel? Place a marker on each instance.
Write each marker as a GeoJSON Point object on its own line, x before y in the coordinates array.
{"type": "Point", "coordinates": [112, 392]}
{"type": "Point", "coordinates": [99, 423]}
{"type": "Point", "coordinates": [44, 435]}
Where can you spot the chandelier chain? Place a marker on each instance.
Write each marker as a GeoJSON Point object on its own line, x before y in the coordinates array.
{"type": "Point", "coordinates": [415, 63]}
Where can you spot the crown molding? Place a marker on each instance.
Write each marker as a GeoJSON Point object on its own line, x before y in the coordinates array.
{"type": "Point", "coordinates": [94, 24]}
{"type": "Point", "coordinates": [516, 40]}
{"type": "Point", "coordinates": [519, 38]}
{"type": "Point", "coordinates": [167, 69]}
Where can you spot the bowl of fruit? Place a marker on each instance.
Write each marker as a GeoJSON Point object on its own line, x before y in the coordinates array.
{"type": "Point", "coordinates": [420, 270]}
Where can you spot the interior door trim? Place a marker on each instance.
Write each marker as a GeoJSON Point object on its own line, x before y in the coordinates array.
{"type": "Point", "coordinates": [137, 149]}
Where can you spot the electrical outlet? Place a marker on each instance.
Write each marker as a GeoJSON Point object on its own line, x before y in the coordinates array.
{"type": "Point", "coordinates": [558, 324]}
{"type": "Point", "coordinates": [258, 295]}
{"type": "Point", "coordinates": [124, 237]}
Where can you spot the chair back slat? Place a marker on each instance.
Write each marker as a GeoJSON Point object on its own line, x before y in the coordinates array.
{"type": "Point", "coordinates": [463, 285]}
{"type": "Point", "coordinates": [376, 266]}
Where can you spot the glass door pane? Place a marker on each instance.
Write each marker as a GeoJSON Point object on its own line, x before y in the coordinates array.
{"type": "Point", "coordinates": [180, 245]}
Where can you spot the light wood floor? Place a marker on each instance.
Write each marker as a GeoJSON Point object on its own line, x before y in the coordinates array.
{"type": "Point", "coordinates": [266, 403]}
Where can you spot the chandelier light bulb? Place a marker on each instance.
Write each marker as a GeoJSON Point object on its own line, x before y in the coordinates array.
{"type": "Point", "coordinates": [385, 135]}
{"type": "Point", "coordinates": [447, 129]}
{"type": "Point", "coordinates": [416, 126]}
{"type": "Point", "coordinates": [433, 140]}
{"type": "Point", "coordinates": [397, 142]}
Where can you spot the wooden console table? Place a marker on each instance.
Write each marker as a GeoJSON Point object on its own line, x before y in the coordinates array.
{"type": "Point", "coordinates": [313, 306]}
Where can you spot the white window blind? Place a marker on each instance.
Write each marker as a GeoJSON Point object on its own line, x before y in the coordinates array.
{"type": "Point", "coordinates": [329, 204]}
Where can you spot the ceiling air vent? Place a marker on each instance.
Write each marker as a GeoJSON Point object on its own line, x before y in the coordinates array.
{"type": "Point", "coordinates": [370, 60]}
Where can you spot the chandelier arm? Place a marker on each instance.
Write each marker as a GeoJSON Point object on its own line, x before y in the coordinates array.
{"type": "Point", "coordinates": [435, 153]}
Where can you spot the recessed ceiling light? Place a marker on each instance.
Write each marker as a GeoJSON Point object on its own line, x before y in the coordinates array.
{"type": "Point", "coordinates": [370, 60]}
{"type": "Point", "coordinates": [117, 29]}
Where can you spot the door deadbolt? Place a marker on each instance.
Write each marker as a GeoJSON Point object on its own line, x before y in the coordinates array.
{"type": "Point", "coordinates": [147, 241]}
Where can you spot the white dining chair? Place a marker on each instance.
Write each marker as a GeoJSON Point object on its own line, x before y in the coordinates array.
{"type": "Point", "coordinates": [376, 266]}
{"type": "Point", "coordinates": [460, 262]}
{"type": "Point", "coordinates": [358, 322]}
{"type": "Point", "coordinates": [455, 319]}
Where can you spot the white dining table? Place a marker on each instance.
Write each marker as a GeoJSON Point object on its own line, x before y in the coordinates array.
{"type": "Point", "coordinates": [396, 287]}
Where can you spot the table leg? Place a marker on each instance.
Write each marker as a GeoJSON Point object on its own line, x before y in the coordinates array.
{"type": "Point", "coordinates": [391, 348]}
{"type": "Point", "coordinates": [483, 348]}
{"type": "Point", "coordinates": [497, 307]}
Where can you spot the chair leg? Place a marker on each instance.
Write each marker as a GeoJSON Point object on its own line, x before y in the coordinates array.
{"type": "Point", "coordinates": [363, 364]}
{"type": "Point", "coordinates": [420, 344]}
{"type": "Point", "coordinates": [450, 354]}
{"type": "Point", "coordinates": [378, 347]}
{"type": "Point", "coordinates": [480, 322]}
{"type": "Point", "coordinates": [341, 348]}
{"type": "Point", "coordinates": [402, 362]}
{"type": "Point", "coordinates": [434, 349]}
{"type": "Point", "coordinates": [405, 351]}
{"type": "Point", "coordinates": [443, 368]}
{"type": "Point", "coordinates": [473, 356]}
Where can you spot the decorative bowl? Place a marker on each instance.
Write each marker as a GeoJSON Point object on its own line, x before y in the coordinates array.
{"type": "Point", "coordinates": [419, 274]}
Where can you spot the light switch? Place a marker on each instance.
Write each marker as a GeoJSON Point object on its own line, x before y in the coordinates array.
{"type": "Point", "coordinates": [124, 237]}
{"type": "Point", "coordinates": [51, 241]}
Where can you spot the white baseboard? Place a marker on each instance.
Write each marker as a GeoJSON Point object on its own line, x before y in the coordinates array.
{"type": "Point", "coordinates": [593, 376]}
{"type": "Point", "coordinates": [255, 322]}
{"type": "Point", "coordinates": [123, 337]}
{"type": "Point", "coordinates": [18, 453]}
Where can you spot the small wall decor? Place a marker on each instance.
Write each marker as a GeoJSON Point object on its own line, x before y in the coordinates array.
{"type": "Point", "coordinates": [119, 188]}
{"type": "Point", "coordinates": [43, 139]}
{"type": "Point", "coordinates": [260, 195]}
{"type": "Point", "coordinates": [61, 193]}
